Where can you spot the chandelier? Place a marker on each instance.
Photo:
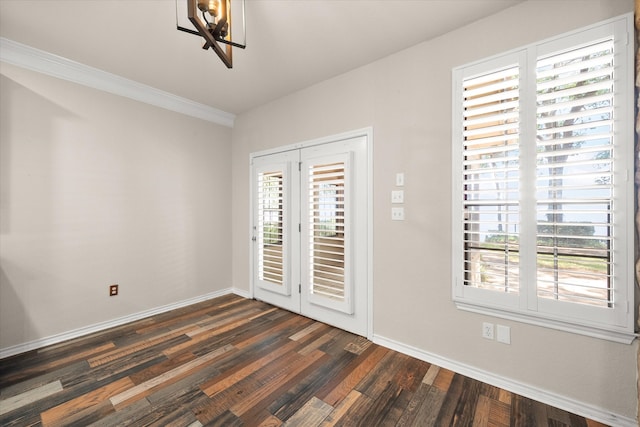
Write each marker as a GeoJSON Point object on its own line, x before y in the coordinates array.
{"type": "Point", "coordinates": [211, 19]}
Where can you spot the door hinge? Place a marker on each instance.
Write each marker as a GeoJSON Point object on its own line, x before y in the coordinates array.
{"type": "Point", "coordinates": [299, 288]}
{"type": "Point", "coordinates": [299, 228]}
{"type": "Point", "coordinates": [299, 166]}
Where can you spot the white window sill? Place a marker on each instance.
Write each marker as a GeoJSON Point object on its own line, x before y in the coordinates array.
{"type": "Point", "coordinates": [621, 336]}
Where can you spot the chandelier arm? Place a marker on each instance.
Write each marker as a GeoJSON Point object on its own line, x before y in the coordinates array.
{"type": "Point", "coordinates": [231, 43]}
{"type": "Point", "coordinates": [204, 18]}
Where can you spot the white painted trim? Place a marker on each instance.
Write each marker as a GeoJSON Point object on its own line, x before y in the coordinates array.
{"type": "Point", "coordinates": [370, 244]}
{"type": "Point", "coordinates": [97, 327]}
{"type": "Point", "coordinates": [47, 63]}
{"type": "Point", "coordinates": [621, 337]}
{"type": "Point", "coordinates": [241, 293]}
{"type": "Point", "coordinates": [367, 132]}
{"type": "Point", "coordinates": [252, 235]}
{"type": "Point", "coordinates": [531, 392]}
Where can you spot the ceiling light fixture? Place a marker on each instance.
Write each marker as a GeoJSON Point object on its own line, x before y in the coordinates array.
{"type": "Point", "coordinates": [211, 20]}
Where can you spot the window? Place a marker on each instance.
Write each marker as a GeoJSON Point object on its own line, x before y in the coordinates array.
{"type": "Point", "coordinates": [543, 197]}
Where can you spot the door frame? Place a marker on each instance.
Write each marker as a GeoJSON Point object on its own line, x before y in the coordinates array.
{"type": "Point", "coordinates": [367, 133]}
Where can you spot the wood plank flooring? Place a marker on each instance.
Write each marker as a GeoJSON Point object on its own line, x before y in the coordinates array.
{"type": "Point", "coordinates": [232, 362]}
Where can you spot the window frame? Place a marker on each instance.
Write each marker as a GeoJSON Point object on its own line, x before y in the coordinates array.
{"type": "Point", "coordinates": [617, 323]}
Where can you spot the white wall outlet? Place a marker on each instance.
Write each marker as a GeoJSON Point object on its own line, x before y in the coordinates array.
{"type": "Point", "coordinates": [503, 334]}
{"type": "Point", "coordinates": [400, 179]}
{"type": "Point", "coordinates": [397, 214]}
{"type": "Point", "coordinates": [397, 196]}
{"type": "Point", "coordinates": [487, 330]}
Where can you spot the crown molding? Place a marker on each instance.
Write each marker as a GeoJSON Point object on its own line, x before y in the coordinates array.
{"type": "Point", "coordinates": [30, 58]}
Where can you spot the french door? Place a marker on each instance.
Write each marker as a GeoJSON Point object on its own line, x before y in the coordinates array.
{"type": "Point", "coordinates": [310, 231]}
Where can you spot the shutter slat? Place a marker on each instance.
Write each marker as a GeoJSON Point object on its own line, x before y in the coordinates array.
{"type": "Point", "coordinates": [604, 124]}
{"type": "Point", "coordinates": [497, 109]}
{"type": "Point", "coordinates": [603, 110]}
{"type": "Point", "coordinates": [558, 83]}
{"type": "Point", "coordinates": [504, 128]}
{"type": "Point", "coordinates": [489, 99]}
{"type": "Point", "coordinates": [572, 103]}
{"type": "Point", "coordinates": [576, 91]}
{"type": "Point", "coordinates": [564, 63]}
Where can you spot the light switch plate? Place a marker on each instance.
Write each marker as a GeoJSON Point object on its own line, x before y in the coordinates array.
{"type": "Point", "coordinates": [400, 179]}
{"type": "Point", "coordinates": [397, 196]}
{"type": "Point", "coordinates": [503, 334]}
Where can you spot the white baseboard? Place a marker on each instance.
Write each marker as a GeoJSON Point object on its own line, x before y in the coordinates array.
{"type": "Point", "coordinates": [241, 293]}
{"type": "Point", "coordinates": [96, 327]}
{"type": "Point", "coordinates": [544, 396]}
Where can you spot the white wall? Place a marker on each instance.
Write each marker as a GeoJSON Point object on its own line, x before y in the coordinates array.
{"type": "Point", "coordinates": [407, 100]}
{"type": "Point", "coordinates": [99, 189]}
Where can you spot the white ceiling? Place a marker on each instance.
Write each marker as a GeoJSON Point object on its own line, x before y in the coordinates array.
{"type": "Point", "coordinates": [291, 44]}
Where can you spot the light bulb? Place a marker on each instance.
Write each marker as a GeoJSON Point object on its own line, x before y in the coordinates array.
{"type": "Point", "coordinates": [210, 6]}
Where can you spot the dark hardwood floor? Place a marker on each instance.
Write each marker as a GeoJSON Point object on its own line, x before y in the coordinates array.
{"type": "Point", "coordinates": [231, 362]}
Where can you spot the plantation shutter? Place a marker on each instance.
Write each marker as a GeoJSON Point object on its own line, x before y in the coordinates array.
{"type": "Point", "coordinates": [270, 235]}
{"type": "Point", "coordinates": [490, 169]}
{"type": "Point", "coordinates": [574, 169]}
{"type": "Point", "coordinates": [328, 232]}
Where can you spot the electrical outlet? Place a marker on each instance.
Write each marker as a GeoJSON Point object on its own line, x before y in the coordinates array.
{"type": "Point", "coordinates": [397, 214]}
{"type": "Point", "coordinates": [113, 290]}
{"type": "Point", "coordinates": [487, 330]}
